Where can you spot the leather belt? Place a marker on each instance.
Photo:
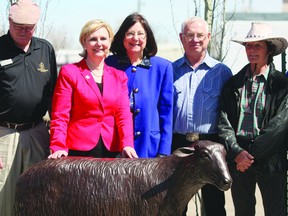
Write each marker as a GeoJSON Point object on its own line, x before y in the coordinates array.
{"type": "Point", "coordinates": [192, 137]}
{"type": "Point", "coordinates": [19, 127]}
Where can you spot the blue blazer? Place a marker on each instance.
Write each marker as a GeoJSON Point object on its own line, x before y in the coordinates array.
{"type": "Point", "coordinates": [150, 86]}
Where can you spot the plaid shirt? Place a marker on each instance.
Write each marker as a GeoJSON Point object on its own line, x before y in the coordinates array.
{"type": "Point", "coordinates": [252, 105]}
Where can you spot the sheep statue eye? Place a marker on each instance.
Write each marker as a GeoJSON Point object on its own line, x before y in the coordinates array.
{"type": "Point", "coordinates": [204, 154]}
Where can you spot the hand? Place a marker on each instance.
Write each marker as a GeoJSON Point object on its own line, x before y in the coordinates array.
{"type": "Point", "coordinates": [129, 152]}
{"type": "Point", "coordinates": [244, 160]}
{"type": "Point", "coordinates": [58, 154]}
{"type": "Point", "coordinates": [1, 164]}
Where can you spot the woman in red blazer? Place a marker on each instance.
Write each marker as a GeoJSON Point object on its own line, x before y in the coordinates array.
{"type": "Point", "coordinates": [90, 111]}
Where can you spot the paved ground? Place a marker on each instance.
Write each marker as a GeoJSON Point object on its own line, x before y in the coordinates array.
{"type": "Point", "coordinates": [229, 205]}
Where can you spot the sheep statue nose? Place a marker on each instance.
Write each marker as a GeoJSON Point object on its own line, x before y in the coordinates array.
{"type": "Point", "coordinates": [227, 183]}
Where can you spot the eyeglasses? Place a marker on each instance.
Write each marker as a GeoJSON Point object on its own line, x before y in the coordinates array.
{"type": "Point", "coordinates": [26, 28]}
{"type": "Point", "coordinates": [140, 35]}
{"type": "Point", "coordinates": [199, 36]}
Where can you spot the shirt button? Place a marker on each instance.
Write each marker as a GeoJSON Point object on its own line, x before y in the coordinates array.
{"type": "Point", "coordinates": [138, 133]}
{"type": "Point", "coordinates": [134, 69]}
{"type": "Point", "coordinates": [137, 111]}
{"type": "Point", "coordinates": [135, 90]}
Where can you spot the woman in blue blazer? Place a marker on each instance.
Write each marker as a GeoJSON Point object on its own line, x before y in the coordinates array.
{"type": "Point", "coordinates": [150, 85]}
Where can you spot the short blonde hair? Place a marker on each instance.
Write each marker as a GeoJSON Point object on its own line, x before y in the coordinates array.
{"type": "Point", "coordinates": [89, 28]}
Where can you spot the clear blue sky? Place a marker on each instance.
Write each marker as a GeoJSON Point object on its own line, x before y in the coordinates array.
{"type": "Point", "coordinates": [65, 18]}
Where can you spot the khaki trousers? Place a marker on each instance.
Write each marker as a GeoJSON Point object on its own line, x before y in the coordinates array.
{"type": "Point", "coordinates": [18, 151]}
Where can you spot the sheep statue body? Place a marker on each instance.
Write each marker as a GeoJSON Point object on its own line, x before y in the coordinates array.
{"type": "Point", "coordinates": [77, 186]}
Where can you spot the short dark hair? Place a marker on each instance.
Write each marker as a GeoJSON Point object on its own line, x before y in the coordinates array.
{"type": "Point", "coordinates": [117, 46]}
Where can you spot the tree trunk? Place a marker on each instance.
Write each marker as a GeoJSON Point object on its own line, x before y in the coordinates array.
{"type": "Point", "coordinates": [208, 16]}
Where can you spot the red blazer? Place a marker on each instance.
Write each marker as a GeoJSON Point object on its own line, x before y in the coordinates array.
{"type": "Point", "coordinates": [80, 113]}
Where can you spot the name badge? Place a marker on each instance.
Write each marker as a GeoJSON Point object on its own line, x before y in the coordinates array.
{"type": "Point", "coordinates": [6, 62]}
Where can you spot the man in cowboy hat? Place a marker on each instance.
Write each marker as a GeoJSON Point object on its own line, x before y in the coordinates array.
{"type": "Point", "coordinates": [253, 125]}
{"type": "Point", "coordinates": [28, 72]}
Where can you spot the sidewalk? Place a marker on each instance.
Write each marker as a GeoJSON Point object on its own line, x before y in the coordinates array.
{"type": "Point", "coordinates": [229, 205]}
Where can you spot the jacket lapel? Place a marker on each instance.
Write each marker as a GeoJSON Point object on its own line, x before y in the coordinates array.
{"type": "Point", "coordinates": [90, 81]}
{"type": "Point", "coordinates": [108, 81]}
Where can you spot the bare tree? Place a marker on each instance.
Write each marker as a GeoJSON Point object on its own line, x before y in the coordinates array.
{"type": "Point", "coordinates": [208, 13]}
{"type": "Point", "coordinates": [213, 11]}
{"type": "Point", "coordinates": [215, 15]}
{"type": "Point", "coordinates": [4, 19]}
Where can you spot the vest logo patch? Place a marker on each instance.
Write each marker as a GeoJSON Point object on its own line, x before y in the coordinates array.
{"type": "Point", "coordinates": [6, 62]}
{"type": "Point", "coordinates": [42, 67]}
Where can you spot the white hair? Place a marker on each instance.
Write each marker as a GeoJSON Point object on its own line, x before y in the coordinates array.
{"type": "Point", "coordinates": [192, 20]}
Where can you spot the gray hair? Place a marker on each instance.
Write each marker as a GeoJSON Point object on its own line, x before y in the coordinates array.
{"type": "Point", "coordinates": [192, 20]}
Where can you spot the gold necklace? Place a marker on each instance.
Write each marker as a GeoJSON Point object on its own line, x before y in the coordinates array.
{"type": "Point", "coordinates": [92, 71]}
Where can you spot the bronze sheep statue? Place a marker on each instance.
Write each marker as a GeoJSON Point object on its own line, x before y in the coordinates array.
{"type": "Point", "coordinates": [77, 186]}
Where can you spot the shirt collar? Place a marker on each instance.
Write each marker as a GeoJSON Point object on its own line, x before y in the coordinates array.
{"type": "Point", "coordinates": [208, 60]}
{"type": "Point", "coordinates": [33, 44]}
{"type": "Point", "coordinates": [265, 74]}
{"type": "Point", "coordinates": [144, 63]}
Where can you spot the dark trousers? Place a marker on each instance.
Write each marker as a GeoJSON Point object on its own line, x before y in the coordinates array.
{"type": "Point", "coordinates": [272, 187]}
{"type": "Point", "coordinates": [213, 199]}
{"type": "Point", "coordinates": [99, 151]}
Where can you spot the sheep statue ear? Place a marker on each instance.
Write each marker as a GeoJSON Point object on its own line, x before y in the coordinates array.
{"type": "Point", "coordinates": [184, 151]}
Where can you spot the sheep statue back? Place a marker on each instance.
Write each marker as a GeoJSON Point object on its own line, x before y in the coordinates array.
{"type": "Point", "coordinates": [78, 186]}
